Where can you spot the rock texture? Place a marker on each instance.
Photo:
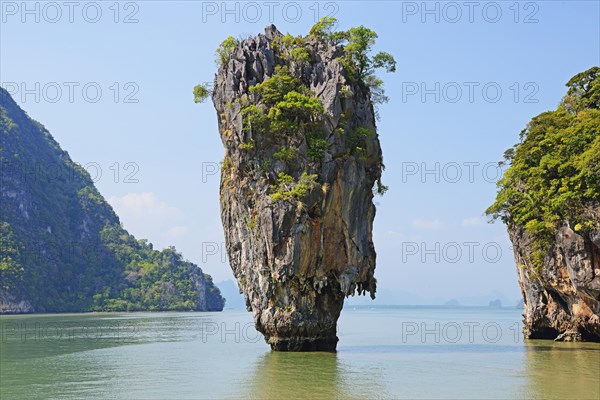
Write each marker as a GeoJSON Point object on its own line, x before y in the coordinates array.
{"type": "Point", "coordinates": [295, 261]}
{"type": "Point", "coordinates": [562, 299]}
{"type": "Point", "coordinates": [10, 305]}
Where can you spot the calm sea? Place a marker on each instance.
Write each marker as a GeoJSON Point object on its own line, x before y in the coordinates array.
{"type": "Point", "coordinates": [384, 352]}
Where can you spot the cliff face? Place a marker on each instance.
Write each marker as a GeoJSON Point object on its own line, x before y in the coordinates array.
{"type": "Point", "coordinates": [296, 204]}
{"type": "Point", "coordinates": [562, 299]}
{"type": "Point", "coordinates": [62, 248]}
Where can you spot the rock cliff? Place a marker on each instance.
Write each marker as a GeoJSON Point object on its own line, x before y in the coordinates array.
{"type": "Point", "coordinates": [562, 299]}
{"type": "Point", "coordinates": [297, 184]}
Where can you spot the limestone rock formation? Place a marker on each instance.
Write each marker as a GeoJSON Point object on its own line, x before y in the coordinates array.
{"type": "Point", "coordinates": [562, 299]}
{"type": "Point", "coordinates": [549, 198]}
{"type": "Point", "coordinates": [297, 198]}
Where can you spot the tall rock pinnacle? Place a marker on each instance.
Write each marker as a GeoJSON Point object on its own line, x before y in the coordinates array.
{"type": "Point", "coordinates": [301, 158]}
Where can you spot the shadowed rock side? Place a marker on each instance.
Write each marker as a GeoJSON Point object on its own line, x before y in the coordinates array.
{"type": "Point", "coordinates": [562, 299]}
{"type": "Point", "coordinates": [296, 259]}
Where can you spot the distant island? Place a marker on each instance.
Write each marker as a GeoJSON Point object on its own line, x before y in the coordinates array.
{"type": "Point", "coordinates": [495, 304]}
{"type": "Point", "coordinates": [63, 248]}
{"type": "Point", "coordinates": [452, 303]}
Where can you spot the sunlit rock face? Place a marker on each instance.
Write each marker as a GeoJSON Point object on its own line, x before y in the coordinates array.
{"type": "Point", "coordinates": [562, 298]}
{"type": "Point", "coordinates": [296, 260]}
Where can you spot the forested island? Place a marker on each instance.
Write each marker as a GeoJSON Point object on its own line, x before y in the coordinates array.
{"type": "Point", "coordinates": [63, 248]}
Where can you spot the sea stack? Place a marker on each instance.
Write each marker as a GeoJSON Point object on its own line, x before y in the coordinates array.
{"type": "Point", "coordinates": [302, 156]}
{"type": "Point", "coordinates": [549, 199]}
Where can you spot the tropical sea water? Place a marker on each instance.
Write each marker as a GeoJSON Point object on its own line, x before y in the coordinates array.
{"type": "Point", "coordinates": [384, 352]}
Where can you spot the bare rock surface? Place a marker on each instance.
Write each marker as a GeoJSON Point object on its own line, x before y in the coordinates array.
{"type": "Point", "coordinates": [562, 299]}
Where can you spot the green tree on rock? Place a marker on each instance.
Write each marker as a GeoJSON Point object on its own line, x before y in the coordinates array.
{"type": "Point", "coordinates": [554, 174]}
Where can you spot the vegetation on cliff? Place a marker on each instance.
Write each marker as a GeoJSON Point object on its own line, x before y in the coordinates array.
{"type": "Point", "coordinates": [282, 105]}
{"type": "Point", "coordinates": [554, 173]}
{"type": "Point", "coordinates": [63, 248]}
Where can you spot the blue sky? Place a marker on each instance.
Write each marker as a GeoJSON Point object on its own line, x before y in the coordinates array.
{"type": "Point", "coordinates": [469, 77]}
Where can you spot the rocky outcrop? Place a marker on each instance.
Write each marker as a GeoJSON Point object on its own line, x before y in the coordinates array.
{"type": "Point", "coordinates": [296, 259]}
{"type": "Point", "coordinates": [561, 298]}
{"type": "Point", "coordinates": [10, 305]}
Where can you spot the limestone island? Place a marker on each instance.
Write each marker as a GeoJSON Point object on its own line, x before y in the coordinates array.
{"type": "Point", "coordinates": [297, 118]}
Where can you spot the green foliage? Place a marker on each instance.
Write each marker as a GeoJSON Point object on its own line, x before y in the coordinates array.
{"type": "Point", "coordinates": [90, 197]}
{"type": "Point", "coordinates": [553, 172]}
{"type": "Point", "coordinates": [584, 91]}
{"type": "Point", "coordinates": [293, 110]}
{"type": "Point", "coordinates": [286, 189]}
{"type": "Point", "coordinates": [323, 29]}
{"type": "Point", "coordinates": [290, 41]}
{"type": "Point", "coordinates": [291, 106]}
{"type": "Point", "coordinates": [214, 300]}
{"type": "Point", "coordinates": [201, 92]}
{"type": "Point", "coordinates": [155, 280]}
{"type": "Point", "coordinates": [287, 154]}
{"type": "Point", "coordinates": [359, 42]}
{"type": "Point", "coordinates": [248, 146]}
{"type": "Point", "coordinates": [254, 120]}
{"type": "Point", "coordinates": [273, 89]}
{"type": "Point", "coordinates": [282, 108]}
{"type": "Point", "coordinates": [265, 166]}
{"type": "Point", "coordinates": [252, 223]}
{"type": "Point", "coordinates": [376, 88]}
{"type": "Point", "coordinates": [11, 270]}
{"type": "Point", "coordinates": [291, 47]}
{"type": "Point", "coordinates": [300, 55]}
{"type": "Point", "coordinates": [284, 179]}
{"type": "Point", "coordinates": [225, 50]}
{"type": "Point", "coordinates": [383, 60]}
{"type": "Point", "coordinates": [357, 138]}
{"type": "Point", "coordinates": [590, 166]}
{"type": "Point", "coordinates": [317, 146]}
{"type": "Point", "coordinates": [381, 188]}
{"type": "Point", "coordinates": [226, 164]}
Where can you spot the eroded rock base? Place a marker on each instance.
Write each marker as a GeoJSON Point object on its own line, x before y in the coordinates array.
{"type": "Point", "coordinates": [562, 298]}
{"type": "Point", "coordinates": [304, 344]}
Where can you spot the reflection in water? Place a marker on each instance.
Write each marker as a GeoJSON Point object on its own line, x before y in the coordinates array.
{"type": "Point", "coordinates": [81, 355]}
{"type": "Point", "coordinates": [562, 370]}
{"type": "Point", "coordinates": [24, 336]}
{"type": "Point", "coordinates": [280, 375]}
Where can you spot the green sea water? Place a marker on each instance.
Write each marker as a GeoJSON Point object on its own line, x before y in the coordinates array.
{"type": "Point", "coordinates": [384, 352]}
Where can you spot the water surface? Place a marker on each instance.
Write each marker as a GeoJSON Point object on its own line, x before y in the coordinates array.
{"type": "Point", "coordinates": [384, 352]}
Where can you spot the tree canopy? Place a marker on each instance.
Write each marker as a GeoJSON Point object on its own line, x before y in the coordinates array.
{"type": "Point", "coordinates": [554, 172]}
